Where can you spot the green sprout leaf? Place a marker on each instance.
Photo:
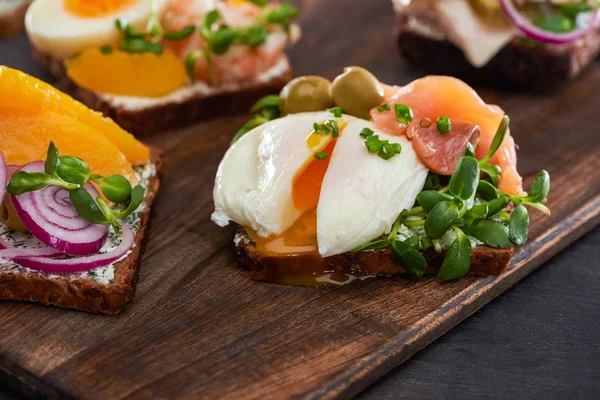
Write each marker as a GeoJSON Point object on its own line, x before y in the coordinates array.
{"type": "Point", "coordinates": [271, 100]}
{"type": "Point", "coordinates": [490, 232]}
{"type": "Point", "coordinates": [463, 183]}
{"type": "Point", "coordinates": [140, 45]}
{"type": "Point", "coordinates": [378, 244]}
{"type": "Point", "coordinates": [115, 188]}
{"type": "Point", "coordinates": [457, 262]}
{"type": "Point", "coordinates": [408, 257]}
{"type": "Point", "coordinates": [73, 170]}
{"type": "Point", "coordinates": [518, 227]}
{"type": "Point", "coordinates": [52, 160]}
{"type": "Point", "coordinates": [440, 219]}
{"type": "Point", "coordinates": [498, 139]}
{"type": "Point", "coordinates": [190, 64]}
{"type": "Point", "coordinates": [497, 205]}
{"type": "Point", "coordinates": [22, 182]}
{"type": "Point", "coordinates": [257, 120]}
{"type": "Point", "coordinates": [432, 182]}
{"type": "Point", "coordinates": [87, 207]}
{"type": "Point", "coordinates": [413, 241]}
{"type": "Point", "coordinates": [478, 211]}
{"type": "Point", "coordinates": [137, 197]}
{"type": "Point", "coordinates": [487, 191]}
{"type": "Point", "coordinates": [429, 198]}
{"type": "Point", "coordinates": [540, 188]}
{"type": "Point", "coordinates": [493, 171]}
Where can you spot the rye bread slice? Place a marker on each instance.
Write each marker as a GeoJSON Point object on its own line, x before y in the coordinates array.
{"type": "Point", "coordinates": [13, 23]}
{"type": "Point", "coordinates": [84, 293]}
{"type": "Point", "coordinates": [164, 116]}
{"type": "Point", "coordinates": [486, 261]}
{"type": "Point", "coordinates": [521, 63]}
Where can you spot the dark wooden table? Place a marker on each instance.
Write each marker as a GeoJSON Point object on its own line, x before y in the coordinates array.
{"type": "Point", "coordinates": [539, 339]}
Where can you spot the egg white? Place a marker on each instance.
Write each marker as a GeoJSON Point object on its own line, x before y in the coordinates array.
{"type": "Point", "coordinates": [362, 194]}
{"type": "Point", "coordinates": [55, 31]}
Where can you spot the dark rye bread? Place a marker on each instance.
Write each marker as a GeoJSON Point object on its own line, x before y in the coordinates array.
{"type": "Point", "coordinates": [486, 261]}
{"type": "Point", "coordinates": [168, 116]}
{"type": "Point", "coordinates": [521, 63]}
{"type": "Point", "coordinates": [85, 294]}
{"type": "Point", "coordinates": [13, 23]}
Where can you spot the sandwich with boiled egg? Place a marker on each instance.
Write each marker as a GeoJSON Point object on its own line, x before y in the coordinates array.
{"type": "Point", "coordinates": [12, 16]}
{"type": "Point", "coordinates": [75, 197]}
{"type": "Point", "coordinates": [538, 43]}
{"type": "Point", "coordinates": [336, 181]}
{"type": "Point", "coordinates": [155, 65]}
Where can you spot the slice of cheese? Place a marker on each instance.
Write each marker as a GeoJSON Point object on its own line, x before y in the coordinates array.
{"type": "Point", "coordinates": [480, 40]}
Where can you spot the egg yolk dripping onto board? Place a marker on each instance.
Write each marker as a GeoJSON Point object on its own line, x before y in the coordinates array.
{"type": "Point", "coordinates": [293, 257]}
{"type": "Point", "coordinates": [96, 8]}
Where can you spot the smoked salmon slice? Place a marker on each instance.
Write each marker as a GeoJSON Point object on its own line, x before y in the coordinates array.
{"type": "Point", "coordinates": [435, 96]}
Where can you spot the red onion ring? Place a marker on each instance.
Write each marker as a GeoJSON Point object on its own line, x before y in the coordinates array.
{"type": "Point", "coordinates": [11, 253]}
{"type": "Point", "coordinates": [540, 35]}
{"type": "Point", "coordinates": [50, 217]}
{"type": "Point", "coordinates": [3, 177]}
{"type": "Point", "coordinates": [80, 264]}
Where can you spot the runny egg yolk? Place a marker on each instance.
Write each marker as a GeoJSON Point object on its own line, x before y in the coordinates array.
{"type": "Point", "coordinates": [301, 237]}
{"type": "Point", "coordinates": [96, 8]}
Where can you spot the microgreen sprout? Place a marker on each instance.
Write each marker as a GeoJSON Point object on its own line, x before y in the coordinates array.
{"type": "Point", "coordinates": [73, 173]}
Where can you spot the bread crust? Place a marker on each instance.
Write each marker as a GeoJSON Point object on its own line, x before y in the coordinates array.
{"type": "Point", "coordinates": [167, 116]}
{"type": "Point", "coordinates": [14, 22]}
{"type": "Point", "coordinates": [519, 63]}
{"type": "Point", "coordinates": [486, 261]}
{"type": "Point", "coordinates": [86, 294]}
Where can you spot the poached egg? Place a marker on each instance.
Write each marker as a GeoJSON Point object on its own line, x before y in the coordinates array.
{"type": "Point", "coordinates": [291, 203]}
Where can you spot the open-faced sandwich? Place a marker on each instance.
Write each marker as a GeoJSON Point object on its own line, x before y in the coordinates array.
{"type": "Point", "coordinates": [154, 65]}
{"type": "Point", "coordinates": [525, 42]}
{"type": "Point", "coordinates": [75, 193]}
{"type": "Point", "coordinates": [12, 16]}
{"type": "Point", "coordinates": [337, 181]}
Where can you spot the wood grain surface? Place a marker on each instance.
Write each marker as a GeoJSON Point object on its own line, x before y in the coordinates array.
{"type": "Point", "coordinates": [200, 328]}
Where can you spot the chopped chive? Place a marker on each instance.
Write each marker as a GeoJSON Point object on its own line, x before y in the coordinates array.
{"type": "Point", "coordinates": [106, 49]}
{"type": "Point", "coordinates": [336, 111]}
{"type": "Point", "coordinates": [335, 127]}
{"type": "Point", "coordinates": [320, 155]}
{"type": "Point", "coordinates": [443, 124]}
{"type": "Point", "coordinates": [374, 144]}
{"type": "Point", "coordinates": [425, 123]}
{"type": "Point", "coordinates": [181, 34]}
{"type": "Point", "coordinates": [384, 107]}
{"type": "Point", "coordinates": [190, 64]}
{"type": "Point", "coordinates": [322, 129]}
{"type": "Point", "coordinates": [387, 151]}
{"type": "Point", "coordinates": [404, 114]}
{"type": "Point", "coordinates": [397, 148]}
{"type": "Point", "coordinates": [366, 132]}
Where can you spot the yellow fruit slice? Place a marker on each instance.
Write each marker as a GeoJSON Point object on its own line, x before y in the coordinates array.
{"type": "Point", "coordinates": [21, 90]}
{"type": "Point", "coordinates": [127, 74]}
{"type": "Point", "coordinates": [26, 133]}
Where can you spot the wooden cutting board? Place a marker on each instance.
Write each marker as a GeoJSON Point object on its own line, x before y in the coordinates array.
{"type": "Point", "coordinates": [199, 327]}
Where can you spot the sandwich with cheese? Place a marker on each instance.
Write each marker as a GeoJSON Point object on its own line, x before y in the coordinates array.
{"type": "Point", "coordinates": [336, 181]}
{"type": "Point", "coordinates": [75, 198]}
{"type": "Point", "coordinates": [527, 43]}
{"type": "Point", "coordinates": [155, 65]}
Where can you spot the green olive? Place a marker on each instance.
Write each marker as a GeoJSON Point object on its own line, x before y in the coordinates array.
{"type": "Point", "coordinates": [8, 215]}
{"type": "Point", "coordinates": [305, 93]}
{"type": "Point", "coordinates": [357, 91]}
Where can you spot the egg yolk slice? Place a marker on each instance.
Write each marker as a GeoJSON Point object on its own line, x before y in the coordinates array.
{"type": "Point", "coordinates": [96, 8]}
{"type": "Point", "coordinates": [127, 74]}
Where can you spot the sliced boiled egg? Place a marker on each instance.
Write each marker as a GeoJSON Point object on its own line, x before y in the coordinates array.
{"type": "Point", "coordinates": [291, 202]}
{"type": "Point", "coordinates": [65, 27]}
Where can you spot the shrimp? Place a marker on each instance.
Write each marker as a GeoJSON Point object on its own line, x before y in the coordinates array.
{"type": "Point", "coordinates": [241, 62]}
